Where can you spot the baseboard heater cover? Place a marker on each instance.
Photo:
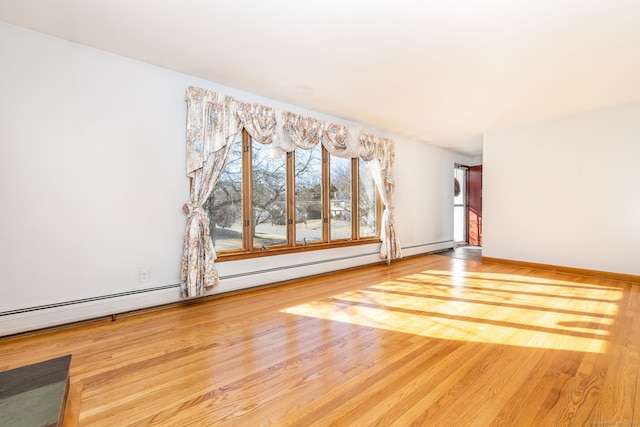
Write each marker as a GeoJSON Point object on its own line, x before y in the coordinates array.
{"type": "Point", "coordinates": [85, 300]}
{"type": "Point", "coordinates": [64, 312]}
{"type": "Point", "coordinates": [295, 266]}
{"type": "Point", "coordinates": [427, 248]}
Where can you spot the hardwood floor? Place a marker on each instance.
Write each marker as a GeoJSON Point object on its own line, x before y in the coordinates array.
{"type": "Point", "coordinates": [428, 341]}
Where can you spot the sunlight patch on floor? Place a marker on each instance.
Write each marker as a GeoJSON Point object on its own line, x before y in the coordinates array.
{"type": "Point", "coordinates": [480, 307]}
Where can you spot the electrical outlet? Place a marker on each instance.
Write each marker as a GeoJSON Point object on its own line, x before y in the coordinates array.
{"type": "Point", "coordinates": [144, 275]}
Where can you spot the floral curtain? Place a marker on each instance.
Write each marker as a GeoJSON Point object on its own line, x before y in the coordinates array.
{"type": "Point", "coordinates": [211, 119]}
{"type": "Point", "coordinates": [340, 141]}
{"type": "Point", "coordinates": [367, 144]}
{"type": "Point", "coordinates": [259, 121]}
{"type": "Point", "coordinates": [382, 170]}
{"type": "Point", "coordinates": [198, 272]}
{"type": "Point", "coordinates": [212, 126]}
{"type": "Point", "coordinates": [304, 132]}
{"type": "Point", "coordinates": [214, 121]}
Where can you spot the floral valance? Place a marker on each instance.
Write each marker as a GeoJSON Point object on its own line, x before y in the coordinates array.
{"type": "Point", "coordinates": [215, 119]}
{"type": "Point", "coordinates": [214, 122]}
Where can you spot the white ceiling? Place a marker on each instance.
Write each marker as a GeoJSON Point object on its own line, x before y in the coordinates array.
{"type": "Point", "coordinates": [439, 71]}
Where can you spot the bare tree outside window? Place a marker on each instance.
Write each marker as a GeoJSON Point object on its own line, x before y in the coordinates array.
{"type": "Point", "coordinates": [224, 205]}
{"type": "Point", "coordinates": [340, 198]}
{"type": "Point", "coordinates": [269, 197]}
{"type": "Point", "coordinates": [367, 200]}
{"type": "Point", "coordinates": [308, 177]}
{"type": "Point", "coordinates": [252, 208]}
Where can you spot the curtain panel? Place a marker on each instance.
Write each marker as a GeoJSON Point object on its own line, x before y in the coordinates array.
{"type": "Point", "coordinates": [212, 125]}
{"type": "Point", "coordinates": [198, 272]}
{"type": "Point", "coordinates": [214, 121]}
{"type": "Point", "coordinates": [379, 152]}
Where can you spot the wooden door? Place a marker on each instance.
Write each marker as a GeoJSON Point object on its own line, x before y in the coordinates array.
{"type": "Point", "coordinates": [474, 205]}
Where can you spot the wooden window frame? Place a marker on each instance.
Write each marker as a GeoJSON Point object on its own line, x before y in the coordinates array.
{"type": "Point", "coordinates": [248, 251]}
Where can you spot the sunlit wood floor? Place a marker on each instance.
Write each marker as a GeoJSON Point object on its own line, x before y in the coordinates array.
{"type": "Point", "coordinates": [428, 341]}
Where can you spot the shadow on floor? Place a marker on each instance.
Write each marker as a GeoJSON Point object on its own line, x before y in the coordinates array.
{"type": "Point", "coordinates": [472, 253]}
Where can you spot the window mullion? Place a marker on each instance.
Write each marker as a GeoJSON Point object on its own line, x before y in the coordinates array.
{"type": "Point", "coordinates": [326, 196]}
{"type": "Point", "coordinates": [291, 199]}
{"type": "Point", "coordinates": [247, 192]}
{"type": "Point", "coordinates": [355, 199]}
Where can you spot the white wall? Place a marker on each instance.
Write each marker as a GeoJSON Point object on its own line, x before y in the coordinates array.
{"type": "Point", "coordinates": [92, 180]}
{"type": "Point", "coordinates": [424, 194]}
{"type": "Point", "coordinates": [564, 192]}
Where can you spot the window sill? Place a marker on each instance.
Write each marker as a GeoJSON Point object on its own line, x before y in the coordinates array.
{"type": "Point", "coordinates": [235, 255]}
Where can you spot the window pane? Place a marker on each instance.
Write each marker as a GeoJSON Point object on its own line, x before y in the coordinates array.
{"type": "Point", "coordinates": [309, 195]}
{"type": "Point", "coordinates": [459, 204]}
{"type": "Point", "coordinates": [340, 190]}
{"type": "Point", "coordinates": [459, 187]}
{"type": "Point", "coordinates": [269, 197]}
{"type": "Point", "coordinates": [224, 205]}
{"type": "Point", "coordinates": [367, 202]}
{"type": "Point", "coordinates": [459, 221]}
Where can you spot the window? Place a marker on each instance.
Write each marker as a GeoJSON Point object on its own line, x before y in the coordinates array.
{"type": "Point", "coordinates": [309, 191]}
{"type": "Point", "coordinates": [367, 201]}
{"type": "Point", "coordinates": [224, 205]}
{"type": "Point", "coordinates": [269, 197]}
{"type": "Point", "coordinates": [340, 188]}
{"type": "Point", "coordinates": [266, 203]}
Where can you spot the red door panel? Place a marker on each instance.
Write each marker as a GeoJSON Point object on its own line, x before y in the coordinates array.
{"type": "Point", "coordinates": [474, 203]}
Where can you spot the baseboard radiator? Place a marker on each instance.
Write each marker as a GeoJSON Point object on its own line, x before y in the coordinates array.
{"type": "Point", "coordinates": [109, 305]}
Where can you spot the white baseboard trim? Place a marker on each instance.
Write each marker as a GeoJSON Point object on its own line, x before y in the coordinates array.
{"type": "Point", "coordinates": [35, 318]}
{"type": "Point", "coordinates": [426, 248]}
{"type": "Point", "coordinates": [230, 282]}
{"type": "Point", "coordinates": [233, 277]}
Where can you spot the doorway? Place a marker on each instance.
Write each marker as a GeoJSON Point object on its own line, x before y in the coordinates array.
{"type": "Point", "coordinates": [467, 205]}
{"type": "Point", "coordinates": [474, 205]}
{"type": "Point", "coordinates": [460, 205]}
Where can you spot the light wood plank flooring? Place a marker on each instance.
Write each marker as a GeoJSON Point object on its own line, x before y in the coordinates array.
{"type": "Point", "coordinates": [427, 341]}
